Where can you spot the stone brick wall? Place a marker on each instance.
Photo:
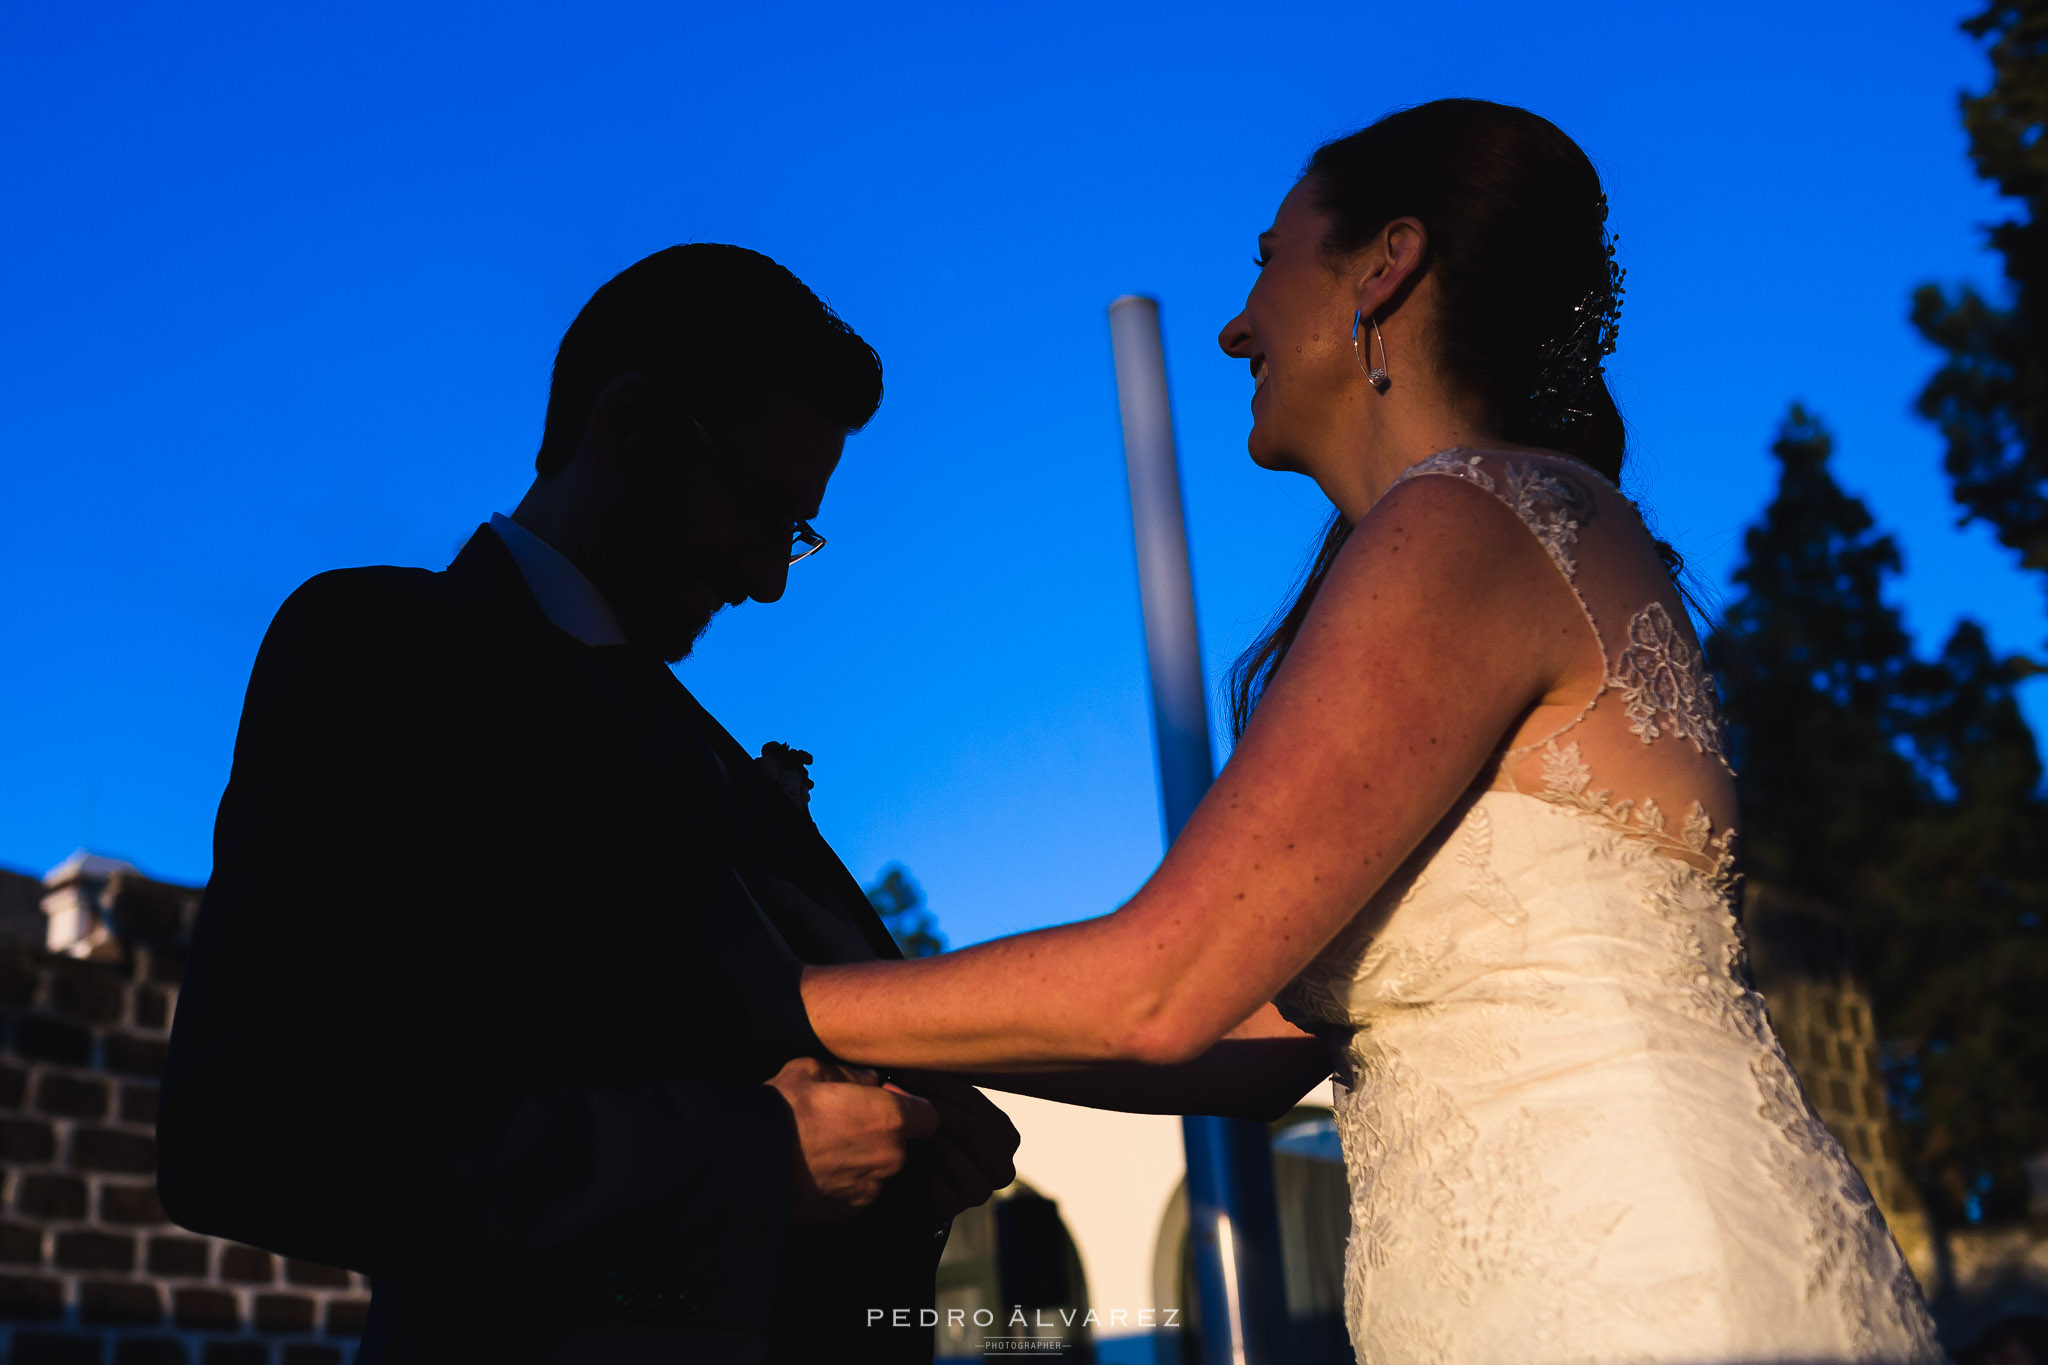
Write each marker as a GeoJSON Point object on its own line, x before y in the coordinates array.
{"type": "Point", "coordinates": [90, 1271]}
{"type": "Point", "coordinates": [21, 909]}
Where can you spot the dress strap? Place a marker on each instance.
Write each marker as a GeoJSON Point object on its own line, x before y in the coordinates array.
{"type": "Point", "coordinates": [1548, 506]}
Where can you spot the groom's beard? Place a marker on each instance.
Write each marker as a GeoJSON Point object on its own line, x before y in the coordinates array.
{"type": "Point", "coordinates": [672, 633]}
{"type": "Point", "coordinates": [665, 594]}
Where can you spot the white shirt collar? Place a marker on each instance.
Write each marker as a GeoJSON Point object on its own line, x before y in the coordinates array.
{"type": "Point", "coordinates": [568, 599]}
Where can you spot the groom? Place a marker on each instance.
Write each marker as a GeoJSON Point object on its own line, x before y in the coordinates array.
{"type": "Point", "coordinates": [493, 993]}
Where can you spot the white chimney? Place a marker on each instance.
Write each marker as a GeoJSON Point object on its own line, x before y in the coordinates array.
{"type": "Point", "coordinates": [76, 903]}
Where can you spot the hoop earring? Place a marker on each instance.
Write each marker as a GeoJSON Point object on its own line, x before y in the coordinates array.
{"type": "Point", "coordinates": [1375, 377]}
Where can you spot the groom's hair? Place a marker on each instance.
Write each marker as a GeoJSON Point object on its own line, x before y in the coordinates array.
{"type": "Point", "coordinates": [723, 330]}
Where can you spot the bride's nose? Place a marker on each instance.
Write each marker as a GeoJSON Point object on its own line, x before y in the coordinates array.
{"type": "Point", "coordinates": [1236, 338]}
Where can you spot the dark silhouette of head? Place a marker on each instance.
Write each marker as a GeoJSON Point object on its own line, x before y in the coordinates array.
{"type": "Point", "coordinates": [700, 402]}
{"type": "Point", "coordinates": [1515, 220]}
{"type": "Point", "coordinates": [723, 331]}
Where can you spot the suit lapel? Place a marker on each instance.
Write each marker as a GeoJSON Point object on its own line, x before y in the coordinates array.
{"type": "Point", "coordinates": [638, 752]}
{"type": "Point", "coordinates": [814, 867]}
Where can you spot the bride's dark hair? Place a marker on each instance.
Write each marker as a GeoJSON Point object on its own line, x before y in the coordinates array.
{"type": "Point", "coordinates": [1515, 219]}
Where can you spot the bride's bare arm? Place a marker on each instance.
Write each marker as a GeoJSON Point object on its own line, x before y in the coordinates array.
{"type": "Point", "coordinates": [1258, 1070]}
{"type": "Point", "coordinates": [1441, 622]}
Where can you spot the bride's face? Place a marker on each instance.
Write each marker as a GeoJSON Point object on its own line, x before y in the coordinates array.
{"type": "Point", "coordinates": [1295, 332]}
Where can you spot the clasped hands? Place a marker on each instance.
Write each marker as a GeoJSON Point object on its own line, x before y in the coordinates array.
{"type": "Point", "coordinates": [852, 1128]}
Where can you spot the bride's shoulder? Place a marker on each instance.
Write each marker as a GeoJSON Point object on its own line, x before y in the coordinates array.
{"type": "Point", "coordinates": [1442, 569]}
{"type": "Point", "coordinates": [1448, 526]}
{"type": "Point", "coordinates": [1554, 496]}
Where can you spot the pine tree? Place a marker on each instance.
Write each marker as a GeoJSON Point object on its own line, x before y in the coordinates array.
{"type": "Point", "coordinates": [1956, 951]}
{"type": "Point", "coordinates": [1905, 794]}
{"type": "Point", "coordinates": [1990, 396]}
{"type": "Point", "coordinates": [1809, 657]}
{"type": "Point", "coordinates": [900, 902]}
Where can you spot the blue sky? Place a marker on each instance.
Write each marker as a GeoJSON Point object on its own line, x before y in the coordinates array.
{"type": "Point", "coordinates": [283, 285]}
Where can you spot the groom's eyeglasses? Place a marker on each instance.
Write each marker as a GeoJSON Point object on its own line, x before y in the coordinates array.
{"type": "Point", "coordinates": [762, 497]}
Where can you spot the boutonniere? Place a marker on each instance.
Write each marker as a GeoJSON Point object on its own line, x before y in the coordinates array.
{"type": "Point", "coordinates": [785, 767]}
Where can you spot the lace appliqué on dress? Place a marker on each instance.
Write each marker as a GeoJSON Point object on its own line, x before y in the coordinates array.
{"type": "Point", "coordinates": [1549, 508]}
{"type": "Point", "coordinates": [1665, 686]}
{"type": "Point", "coordinates": [1457, 463]}
{"type": "Point", "coordinates": [1661, 676]}
{"type": "Point", "coordinates": [1845, 1229]}
{"type": "Point", "coordinates": [1568, 782]}
{"type": "Point", "coordinates": [1486, 889]}
{"type": "Point", "coordinates": [1468, 1209]}
{"type": "Point", "coordinates": [1546, 504]}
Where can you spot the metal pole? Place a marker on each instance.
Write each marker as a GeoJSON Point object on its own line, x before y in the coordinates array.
{"type": "Point", "coordinates": [1232, 1222]}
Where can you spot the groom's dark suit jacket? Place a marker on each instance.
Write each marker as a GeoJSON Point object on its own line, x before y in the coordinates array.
{"type": "Point", "coordinates": [497, 953]}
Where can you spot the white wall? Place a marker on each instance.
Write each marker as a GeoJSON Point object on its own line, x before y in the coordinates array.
{"type": "Point", "coordinates": [1113, 1175]}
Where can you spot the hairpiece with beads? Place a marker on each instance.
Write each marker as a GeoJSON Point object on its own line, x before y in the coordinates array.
{"type": "Point", "coordinates": [1573, 359]}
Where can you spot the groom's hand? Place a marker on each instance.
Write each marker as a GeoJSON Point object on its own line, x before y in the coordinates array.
{"type": "Point", "coordinates": [977, 1143]}
{"type": "Point", "coordinates": [850, 1135]}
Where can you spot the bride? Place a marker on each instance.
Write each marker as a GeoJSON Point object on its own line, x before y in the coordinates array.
{"type": "Point", "coordinates": [1474, 847]}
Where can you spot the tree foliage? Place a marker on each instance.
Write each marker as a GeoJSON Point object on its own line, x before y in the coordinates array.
{"type": "Point", "coordinates": [1905, 792]}
{"type": "Point", "coordinates": [900, 902]}
{"type": "Point", "coordinates": [1990, 396]}
{"type": "Point", "coordinates": [1956, 947]}
{"type": "Point", "coordinates": [1810, 656]}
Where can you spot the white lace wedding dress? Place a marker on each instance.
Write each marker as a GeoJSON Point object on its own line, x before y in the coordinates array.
{"type": "Point", "coordinates": [1569, 1132]}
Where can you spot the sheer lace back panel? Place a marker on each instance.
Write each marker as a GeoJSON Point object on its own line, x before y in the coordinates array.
{"type": "Point", "coordinates": [1569, 1133]}
{"type": "Point", "coordinates": [1640, 750]}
